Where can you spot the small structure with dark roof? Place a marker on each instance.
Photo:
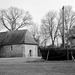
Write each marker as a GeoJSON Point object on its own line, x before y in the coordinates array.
{"type": "Point", "coordinates": [18, 43]}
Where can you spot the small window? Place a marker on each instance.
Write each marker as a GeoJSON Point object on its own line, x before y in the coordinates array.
{"type": "Point", "coordinates": [11, 48]}
{"type": "Point", "coordinates": [30, 52]}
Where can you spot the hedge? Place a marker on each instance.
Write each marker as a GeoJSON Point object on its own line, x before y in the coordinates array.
{"type": "Point", "coordinates": [57, 53]}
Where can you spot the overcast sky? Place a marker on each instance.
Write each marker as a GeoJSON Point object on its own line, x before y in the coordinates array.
{"type": "Point", "coordinates": [37, 8]}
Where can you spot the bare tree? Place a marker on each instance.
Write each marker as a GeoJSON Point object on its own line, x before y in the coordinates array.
{"type": "Point", "coordinates": [35, 32]}
{"type": "Point", "coordinates": [50, 26]}
{"type": "Point", "coordinates": [44, 33]}
{"type": "Point", "coordinates": [14, 18]}
{"type": "Point", "coordinates": [69, 21]}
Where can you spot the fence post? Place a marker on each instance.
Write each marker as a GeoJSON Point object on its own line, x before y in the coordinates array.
{"type": "Point", "coordinates": [47, 55]}
{"type": "Point", "coordinates": [67, 54]}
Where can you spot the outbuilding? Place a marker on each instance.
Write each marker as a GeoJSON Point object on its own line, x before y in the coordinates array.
{"type": "Point", "coordinates": [18, 43]}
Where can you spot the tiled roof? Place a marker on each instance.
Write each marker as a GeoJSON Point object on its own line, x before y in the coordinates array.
{"type": "Point", "coordinates": [16, 37]}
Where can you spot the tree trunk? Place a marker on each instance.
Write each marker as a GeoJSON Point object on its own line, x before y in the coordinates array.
{"type": "Point", "coordinates": [52, 43]}
{"type": "Point", "coordinates": [63, 44]}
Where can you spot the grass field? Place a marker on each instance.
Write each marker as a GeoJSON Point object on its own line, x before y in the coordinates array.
{"type": "Point", "coordinates": [38, 68]}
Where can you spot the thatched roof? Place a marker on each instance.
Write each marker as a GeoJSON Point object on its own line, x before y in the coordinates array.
{"type": "Point", "coordinates": [16, 37]}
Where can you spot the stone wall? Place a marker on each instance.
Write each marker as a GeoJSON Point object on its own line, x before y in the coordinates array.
{"type": "Point", "coordinates": [31, 51]}
{"type": "Point", "coordinates": [12, 51]}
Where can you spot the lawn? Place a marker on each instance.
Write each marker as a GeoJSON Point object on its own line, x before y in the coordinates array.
{"type": "Point", "coordinates": [38, 68]}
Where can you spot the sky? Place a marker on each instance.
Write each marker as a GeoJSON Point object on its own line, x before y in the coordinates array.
{"type": "Point", "coordinates": [37, 8]}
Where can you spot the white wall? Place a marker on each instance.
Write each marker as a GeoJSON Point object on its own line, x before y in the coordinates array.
{"type": "Point", "coordinates": [34, 50]}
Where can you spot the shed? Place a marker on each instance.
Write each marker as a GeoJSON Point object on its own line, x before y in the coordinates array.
{"type": "Point", "coordinates": [18, 43]}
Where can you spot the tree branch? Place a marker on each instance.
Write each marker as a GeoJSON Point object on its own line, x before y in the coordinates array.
{"type": "Point", "coordinates": [4, 24]}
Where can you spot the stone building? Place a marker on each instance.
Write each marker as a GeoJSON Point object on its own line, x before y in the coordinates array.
{"type": "Point", "coordinates": [18, 43]}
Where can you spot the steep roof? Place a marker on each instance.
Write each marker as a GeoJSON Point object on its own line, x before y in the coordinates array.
{"type": "Point", "coordinates": [16, 37]}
